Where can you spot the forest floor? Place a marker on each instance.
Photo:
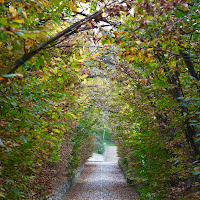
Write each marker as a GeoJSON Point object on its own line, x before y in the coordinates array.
{"type": "Point", "coordinates": [102, 181]}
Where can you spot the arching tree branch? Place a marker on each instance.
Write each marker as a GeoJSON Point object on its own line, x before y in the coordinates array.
{"type": "Point", "coordinates": [70, 30]}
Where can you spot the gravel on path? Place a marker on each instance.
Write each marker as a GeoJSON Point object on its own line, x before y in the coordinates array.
{"type": "Point", "coordinates": [111, 154]}
{"type": "Point", "coordinates": [102, 181]}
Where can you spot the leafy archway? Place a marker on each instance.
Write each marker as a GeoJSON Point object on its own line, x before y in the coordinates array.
{"type": "Point", "coordinates": [132, 64]}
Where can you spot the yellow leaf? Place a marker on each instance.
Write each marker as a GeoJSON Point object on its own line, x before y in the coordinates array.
{"type": "Point", "coordinates": [161, 71]}
{"type": "Point", "coordinates": [33, 60]}
{"type": "Point", "coordinates": [84, 49]}
{"type": "Point", "coordinates": [81, 60]}
{"type": "Point", "coordinates": [149, 49]}
{"type": "Point", "coordinates": [132, 18]}
{"type": "Point", "coordinates": [9, 48]}
{"type": "Point", "coordinates": [19, 21]}
{"type": "Point", "coordinates": [46, 3]}
{"type": "Point", "coordinates": [29, 43]}
{"type": "Point", "coordinates": [130, 59]}
{"type": "Point", "coordinates": [0, 43]}
{"type": "Point", "coordinates": [11, 9]}
{"type": "Point", "coordinates": [9, 32]}
{"type": "Point", "coordinates": [31, 35]}
{"type": "Point", "coordinates": [148, 59]}
{"type": "Point", "coordinates": [74, 56]}
{"type": "Point", "coordinates": [81, 51]}
{"type": "Point", "coordinates": [84, 76]}
{"type": "Point", "coordinates": [174, 64]}
{"type": "Point", "coordinates": [1, 1]}
{"type": "Point", "coordinates": [20, 69]}
{"type": "Point", "coordinates": [24, 13]}
{"type": "Point", "coordinates": [138, 55]}
{"type": "Point", "coordinates": [14, 13]}
{"type": "Point", "coordinates": [66, 23]}
{"type": "Point", "coordinates": [132, 48]}
{"type": "Point", "coordinates": [122, 32]}
{"type": "Point", "coordinates": [71, 6]}
{"type": "Point", "coordinates": [56, 130]}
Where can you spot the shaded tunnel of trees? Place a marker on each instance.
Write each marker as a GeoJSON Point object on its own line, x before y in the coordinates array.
{"type": "Point", "coordinates": [73, 70]}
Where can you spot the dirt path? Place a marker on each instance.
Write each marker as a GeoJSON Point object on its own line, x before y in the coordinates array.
{"type": "Point", "coordinates": [102, 181]}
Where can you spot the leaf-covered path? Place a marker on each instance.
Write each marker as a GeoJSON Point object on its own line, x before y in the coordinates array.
{"type": "Point", "coordinates": [102, 180]}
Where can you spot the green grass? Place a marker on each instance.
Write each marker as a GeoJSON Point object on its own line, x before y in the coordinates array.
{"type": "Point", "coordinates": [108, 142]}
{"type": "Point", "coordinates": [79, 180]}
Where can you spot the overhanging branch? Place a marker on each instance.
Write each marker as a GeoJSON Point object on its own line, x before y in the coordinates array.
{"type": "Point", "coordinates": [68, 31]}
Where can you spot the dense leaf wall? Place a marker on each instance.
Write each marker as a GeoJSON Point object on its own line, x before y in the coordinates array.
{"type": "Point", "coordinates": [40, 139]}
{"type": "Point", "coordinates": [159, 140]}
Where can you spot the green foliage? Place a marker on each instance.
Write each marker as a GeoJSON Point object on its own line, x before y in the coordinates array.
{"type": "Point", "coordinates": [35, 124]}
{"type": "Point", "coordinates": [158, 136]}
{"type": "Point", "coordinates": [99, 145]}
{"type": "Point", "coordinates": [31, 131]}
{"type": "Point", "coordinates": [83, 143]}
{"type": "Point", "coordinates": [40, 140]}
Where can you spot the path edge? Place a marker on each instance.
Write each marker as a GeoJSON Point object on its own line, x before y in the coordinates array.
{"type": "Point", "coordinates": [61, 192]}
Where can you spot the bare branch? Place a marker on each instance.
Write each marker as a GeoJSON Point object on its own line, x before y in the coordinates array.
{"type": "Point", "coordinates": [6, 2]}
{"type": "Point", "coordinates": [78, 45]}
